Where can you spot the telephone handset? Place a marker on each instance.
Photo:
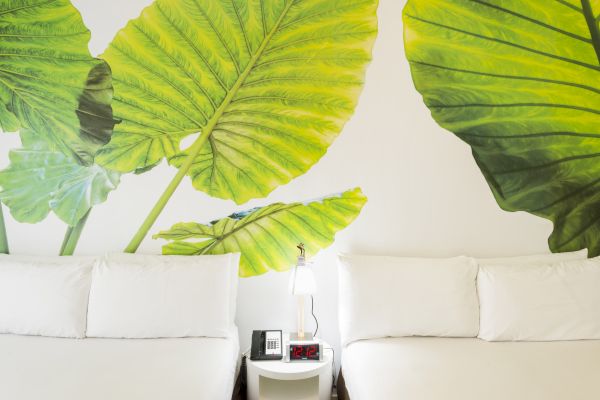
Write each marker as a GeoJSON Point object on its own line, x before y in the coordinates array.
{"type": "Point", "coordinates": [266, 345]}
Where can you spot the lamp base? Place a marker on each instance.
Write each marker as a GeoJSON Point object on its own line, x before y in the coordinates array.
{"type": "Point", "coordinates": [306, 338]}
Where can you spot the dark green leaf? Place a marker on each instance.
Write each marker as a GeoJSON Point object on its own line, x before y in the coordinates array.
{"type": "Point", "coordinates": [519, 81]}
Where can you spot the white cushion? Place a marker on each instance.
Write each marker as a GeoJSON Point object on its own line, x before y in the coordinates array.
{"type": "Point", "coordinates": [393, 296]}
{"type": "Point", "coordinates": [541, 302]}
{"type": "Point", "coordinates": [471, 369]}
{"type": "Point", "coordinates": [42, 368]}
{"type": "Point", "coordinates": [534, 258]}
{"type": "Point", "coordinates": [144, 296]}
{"type": "Point", "coordinates": [44, 296]}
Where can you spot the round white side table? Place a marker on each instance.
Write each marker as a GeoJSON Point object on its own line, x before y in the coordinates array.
{"type": "Point", "coordinates": [296, 380]}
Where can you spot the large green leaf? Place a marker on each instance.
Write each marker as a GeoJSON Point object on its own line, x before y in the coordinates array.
{"type": "Point", "coordinates": [519, 81]}
{"type": "Point", "coordinates": [40, 179]}
{"type": "Point", "coordinates": [270, 82]}
{"type": "Point", "coordinates": [267, 237]}
{"type": "Point", "coordinates": [47, 77]}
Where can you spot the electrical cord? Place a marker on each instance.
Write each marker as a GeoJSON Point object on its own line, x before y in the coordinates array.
{"type": "Point", "coordinates": [244, 370]}
{"type": "Point", "coordinates": [312, 311]}
{"type": "Point", "coordinates": [333, 382]}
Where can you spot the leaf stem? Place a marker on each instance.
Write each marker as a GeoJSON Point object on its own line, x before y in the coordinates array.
{"type": "Point", "coordinates": [72, 236]}
{"type": "Point", "coordinates": [164, 198]}
{"type": "Point", "coordinates": [3, 236]}
{"type": "Point", "coordinates": [199, 143]}
{"type": "Point", "coordinates": [592, 25]}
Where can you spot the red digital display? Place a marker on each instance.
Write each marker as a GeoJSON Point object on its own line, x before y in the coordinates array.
{"type": "Point", "coordinates": [304, 352]}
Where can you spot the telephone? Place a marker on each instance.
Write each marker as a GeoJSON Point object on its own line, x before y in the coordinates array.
{"type": "Point", "coordinates": [266, 345]}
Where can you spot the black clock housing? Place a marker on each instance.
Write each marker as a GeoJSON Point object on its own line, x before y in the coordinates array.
{"type": "Point", "coordinates": [305, 352]}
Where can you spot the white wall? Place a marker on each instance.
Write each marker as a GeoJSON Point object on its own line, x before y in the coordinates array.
{"type": "Point", "coordinates": [426, 195]}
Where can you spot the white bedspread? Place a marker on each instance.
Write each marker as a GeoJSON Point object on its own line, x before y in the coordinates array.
{"type": "Point", "coordinates": [41, 368]}
{"type": "Point", "coordinates": [471, 369]}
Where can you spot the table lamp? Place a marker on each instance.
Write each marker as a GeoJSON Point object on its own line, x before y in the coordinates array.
{"type": "Point", "coordinates": [302, 283]}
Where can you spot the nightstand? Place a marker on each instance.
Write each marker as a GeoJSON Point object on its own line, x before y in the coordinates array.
{"type": "Point", "coordinates": [296, 380]}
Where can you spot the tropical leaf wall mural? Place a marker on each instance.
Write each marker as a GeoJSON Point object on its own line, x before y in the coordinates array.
{"type": "Point", "coordinates": [265, 87]}
{"type": "Point", "coordinates": [519, 81]}
{"type": "Point", "coordinates": [267, 84]}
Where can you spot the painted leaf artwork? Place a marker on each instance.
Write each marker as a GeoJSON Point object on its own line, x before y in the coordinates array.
{"type": "Point", "coordinates": [519, 81]}
{"type": "Point", "coordinates": [268, 85]}
{"type": "Point", "coordinates": [265, 235]}
{"type": "Point", "coordinates": [49, 82]}
{"type": "Point", "coordinates": [40, 179]}
{"type": "Point", "coordinates": [262, 87]}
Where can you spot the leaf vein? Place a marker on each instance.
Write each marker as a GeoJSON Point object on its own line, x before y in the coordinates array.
{"type": "Point", "coordinates": [219, 36]}
{"type": "Point", "coordinates": [534, 21]}
{"type": "Point", "coordinates": [325, 12]}
{"type": "Point", "coordinates": [492, 75]}
{"type": "Point", "coordinates": [237, 14]}
{"type": "Point", "coordinates": [530, 135]}
{"type": "Point", "coordinates": [548, 165]}
{"type": "Point", "coordinates": [551, 105]}
{"type": "Point", "coordinates": [275, 130]}
{"type": "Point", "coordinates": [11, 10]}
{"type": "Point", "coordinates": [181, 68]}
{"type": "Point", "coordinates": [312, 39]}
{"type": "Point", "coordinates": [507, 43]}
{"type": "Point", "coordinates": [160, 99]}
{"type": "Point", "coordinates": [194, 48]}
{"type": "Point", "coordinates": [160, 76]}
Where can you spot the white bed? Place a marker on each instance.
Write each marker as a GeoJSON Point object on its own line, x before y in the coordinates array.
{"type": "Point", "coordinates": [413, 328]}
{"type": "Point", "coordinates": [414, 368]}
{"type": "Point", "coordinates": [42, 368]}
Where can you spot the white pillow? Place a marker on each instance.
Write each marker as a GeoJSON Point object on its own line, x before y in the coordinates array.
{"type": "Point", "coordinates": [541, 302]}
{"type": "Point", "coordinates": [393, 296]}
{"type": "Point", "coordinates": [535, 258]}
{"type": "Point", "coordinates": [44, 296]}
{"type": "Point", "coordinates": [233, 268]}
{"type": "Point", "coordinates": [145, 296]}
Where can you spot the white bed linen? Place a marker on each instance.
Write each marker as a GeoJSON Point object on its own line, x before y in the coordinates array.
{"type": "Point", "coordinates": [471, 369]}
{"type": "Point", "coordinates": [42, 368]}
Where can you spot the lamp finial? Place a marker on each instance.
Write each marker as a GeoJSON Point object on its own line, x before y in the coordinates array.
{"type": "Point", "coordinates": [301, 248]}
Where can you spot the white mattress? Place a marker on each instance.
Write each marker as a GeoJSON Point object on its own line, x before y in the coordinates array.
{"type": "Point", "coordinates": [471, 369]}
{"type": "Point", "coordinates": [41, 368]}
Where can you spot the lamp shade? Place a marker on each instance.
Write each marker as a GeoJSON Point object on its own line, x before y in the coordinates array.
{"type": "Point", "coordinates": [302, 281]}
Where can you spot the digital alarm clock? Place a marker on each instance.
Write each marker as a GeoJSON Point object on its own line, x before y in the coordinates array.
{"type": "Point", "coordinates": [309, 350]}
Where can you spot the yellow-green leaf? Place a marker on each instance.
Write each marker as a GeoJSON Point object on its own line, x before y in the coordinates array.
{"type": "Point", "coordinates": [272, 83]}
{"type": "Point", "coordinates": [267, 236]}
